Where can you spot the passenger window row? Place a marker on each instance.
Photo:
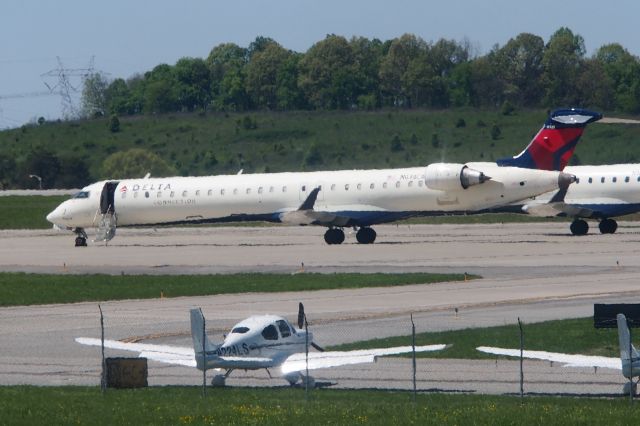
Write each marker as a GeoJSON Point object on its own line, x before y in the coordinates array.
{"type": "Point", "coordinates": [614, 179]}
{"type": "Point", "coordinates": [272, 189]}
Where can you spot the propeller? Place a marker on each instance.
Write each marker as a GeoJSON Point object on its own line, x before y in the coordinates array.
{"type": "Point", "coordinates": [301, 316]}
{"type": "Point", "coordinates": [302, 321]}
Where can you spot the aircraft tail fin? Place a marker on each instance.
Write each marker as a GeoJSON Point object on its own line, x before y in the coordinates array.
{"type": "Point", "coordinates": [197, 334]}
{"type": "Point", "coordinates": [553, 145]}
{"type": "Point", "coordinates": [626, 348]}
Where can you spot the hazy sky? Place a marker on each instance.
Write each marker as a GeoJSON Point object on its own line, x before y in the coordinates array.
{"type": "Point", "coordinates": [133, 36]}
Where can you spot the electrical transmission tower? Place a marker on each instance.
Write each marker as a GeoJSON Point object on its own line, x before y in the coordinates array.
{"type": "Point", "coordinates": [64, 86]}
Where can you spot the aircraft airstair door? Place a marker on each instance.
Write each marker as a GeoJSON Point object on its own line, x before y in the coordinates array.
{"type": "Point", "coordinates": [108, 219]}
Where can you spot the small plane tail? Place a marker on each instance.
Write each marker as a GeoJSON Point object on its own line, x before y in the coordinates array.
{"type": "Point", "coordinates": [553, 146]}
{"type": "Point", "coordinates": [626, 348]}
{"type": "Point", "coordinates": [198, 334]}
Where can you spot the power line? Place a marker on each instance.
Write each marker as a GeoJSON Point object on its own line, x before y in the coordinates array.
{"type": "Point", "coordinates": [64, 86]}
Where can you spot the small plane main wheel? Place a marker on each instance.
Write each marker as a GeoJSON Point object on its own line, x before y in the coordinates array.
{"type": "Point", "coordinates": [579, 227]}
{"type": "Point", "coordinates": [366, 235]}
{"type": "Point", "coordinates": [334, 236]}
{"type": "Point", "coordinates": [81, 242]}
{"type": "Point", "coordinates": [608, 226]}
{"type": "Point", "coordinates": [218, 381]}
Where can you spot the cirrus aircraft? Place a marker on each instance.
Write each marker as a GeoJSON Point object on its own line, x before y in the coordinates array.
{"type": "Point", "coordinates": [267, 342]}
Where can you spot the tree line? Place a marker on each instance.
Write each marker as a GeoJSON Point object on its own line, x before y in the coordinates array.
{"type": "Point", "coordinates": [359, 73]}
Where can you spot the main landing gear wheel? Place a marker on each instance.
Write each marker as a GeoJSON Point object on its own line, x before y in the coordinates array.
{"type": "Point", "coordinates": [608, 226]}
{"type": "Point", "coordinates": [366, 235]}
{"type": "Point", "coordinates": [334, 236]}
{"type": "Point", "coordinates": [579, 227]}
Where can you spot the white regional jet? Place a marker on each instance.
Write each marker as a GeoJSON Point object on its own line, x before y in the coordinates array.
{"type": "Point", "coordinates": [600, 192]}
{"type": "Point", "coordinates": [260, 341]}
{"type": "Point", "coordinates": [629, 361]}
{"type": "Point", "coordinates": [335, 199]}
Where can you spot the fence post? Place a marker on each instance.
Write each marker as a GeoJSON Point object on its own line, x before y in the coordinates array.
{"type": "Point", "coordinates": [521, 361]}
{"type": "Point", "coordinates": [306, 355]}
{"type": "Point", "coordinates": [103, 373]}
{"type": "Point", "coordinates": [413, 347]}
{"type": "Point", "coordinates": [204, 355]}
{"type": "Point", "coordinates": [630, 367]}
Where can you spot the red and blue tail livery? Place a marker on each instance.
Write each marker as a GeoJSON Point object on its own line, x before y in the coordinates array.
{"type": "Point", "coordinates": [554, 144]}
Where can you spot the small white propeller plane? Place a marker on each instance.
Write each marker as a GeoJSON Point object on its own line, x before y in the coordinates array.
{"type": "Point", "coordinates": [260, 341]}
{"type": "Point", "coordinates": [629, 361]}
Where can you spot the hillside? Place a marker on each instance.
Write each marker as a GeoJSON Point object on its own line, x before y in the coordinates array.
{"type": "Point", "coordinates": [215, 143]}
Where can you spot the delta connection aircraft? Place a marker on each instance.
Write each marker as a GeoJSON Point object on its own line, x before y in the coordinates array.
{"type": "Point", "coordinates": [599, 192]}
{"type": "Point", "coordinates": [260, 341]}
{"type": "Point", "coordinates": [334, 199]}
{"type": "Point", "coordinates": [629, 361]}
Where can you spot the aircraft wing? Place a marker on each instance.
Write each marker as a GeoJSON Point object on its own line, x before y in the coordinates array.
{"type": "Point", "coordinates": [568, 360]}
{"type": "Point", "coordinates": [317, 360]}
{"type": "Point", "coordinates": [178, 355]}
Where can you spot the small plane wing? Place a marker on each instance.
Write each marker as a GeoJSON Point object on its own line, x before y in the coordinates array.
{"type": "Point", "coordinates": [178, 355]}
{"type": "Point", "coordinates": [568, 360]}
{"type": "Point", "coordinates": [163, 353]}
{"type": "Point", "coordinates": [317, 360]}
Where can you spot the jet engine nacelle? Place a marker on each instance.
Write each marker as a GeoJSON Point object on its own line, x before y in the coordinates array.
{"type": "Point", "coordinates": [452, 176]}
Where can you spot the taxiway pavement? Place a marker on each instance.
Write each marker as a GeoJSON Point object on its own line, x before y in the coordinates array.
{"type": "Point", "coordinates": [532, 271]}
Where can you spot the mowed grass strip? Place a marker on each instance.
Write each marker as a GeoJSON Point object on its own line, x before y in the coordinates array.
{"type": "Point", "coordinates": [28, 211]}
{"type": "Point", "coordinates": [34, 289]}
{"type": "Point", "coordinates": [577, 336]}
{"type": "Point", "coordinates": [185, 405]}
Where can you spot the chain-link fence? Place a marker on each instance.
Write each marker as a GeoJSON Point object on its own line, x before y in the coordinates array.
{"type": "Point", "coordinates": [433, 371]}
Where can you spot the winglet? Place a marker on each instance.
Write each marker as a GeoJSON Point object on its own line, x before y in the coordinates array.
{"type": "Point", "coordinates": [311, 199]}
{"type": "Point", "coordinates": [554, 144]}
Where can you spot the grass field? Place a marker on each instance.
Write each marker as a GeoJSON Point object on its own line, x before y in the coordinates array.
{"type": "Point", "coordinates": [27, 212]}
{"type": "Point", "coordinates": [34, 289]}
{"type": "Point", "coordinates": [567, 336]}
{"type": "Point", "coordinates": [216, 143]}
{"type": "Point", "coordinates": [185, 405]}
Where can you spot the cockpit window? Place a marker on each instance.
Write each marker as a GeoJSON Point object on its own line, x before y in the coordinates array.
{"type": "Point", "coordinates": [284, 328]}
{"type": "Point", "coordinates": [240, 330]}
{"type": "Point", "coordinates": [270, 332]}
{"type": "Point", "coordinates": [81, 194]}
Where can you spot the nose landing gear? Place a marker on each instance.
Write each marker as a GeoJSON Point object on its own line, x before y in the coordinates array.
{"type": "Point", "coordinates": [81, 237]}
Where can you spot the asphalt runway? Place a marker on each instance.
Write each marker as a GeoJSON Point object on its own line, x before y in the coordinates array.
{"type": "Point", "coordinates": [532, 271]}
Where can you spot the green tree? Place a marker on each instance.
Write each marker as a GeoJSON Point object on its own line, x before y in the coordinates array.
{"type": "Point", "coordinates": [367, 55]}
{"type": "Point", "coordinates": [263, 73]}
{"type": "Point", "coordinates": [43, 163]}
{"type": "Point", "coordinates": [117, 97]}
{"type": "Point", "coordinates": [94, 95]}
{"type": "Point", "coordinates": [226, 64]}
{"type": "Point", "coordinates": [519, 64]}
{"type": "Point", "coordinates": [394, 67]}
{"type": "Point", "coordinates": [74, 173]}
{"type": "Point", "coordinates": [160, 92]}
{"type": "Point", "coordinates": [326, 74]}
{"type": "Point", "coordinates": [193, 82]}
{"type": "Point", "coordinates": [562, 60]}
{"type": "Point", "coordinates": [623, 70]}
{"type": "Point", "coordinates": [7, 171]}
{"type": "Point", "coordinates": [288, 93]}
{"type": "Point", "coordinates": [135, 163]}
{"type": "Point", "coordinates": [114, 124]}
